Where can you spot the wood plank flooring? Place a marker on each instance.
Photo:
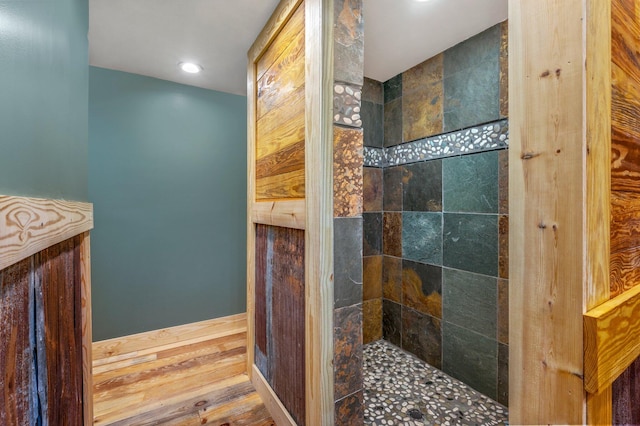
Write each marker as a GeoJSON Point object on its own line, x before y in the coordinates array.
{"type": "Point", "coordinates": [188, 375]}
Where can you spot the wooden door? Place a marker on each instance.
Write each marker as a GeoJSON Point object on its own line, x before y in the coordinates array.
{"type": "Point", "coordinates": [289, 232]}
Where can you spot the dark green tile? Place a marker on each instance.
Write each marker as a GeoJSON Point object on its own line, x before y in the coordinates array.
{"type": "Point", "coordinates": [482, 47]}
{"type": "Point", "coordinates": [392, 194]}
{"type": "Point", "coordinates": [392, 88]}
{"type": "Point", "coordinates": [422, 336]}
{"type": "Point", "coordinates": [470, 243]}
{"type": "Point", "coordinates": [372, 91]}
{"type": "Point", "coordinates": [373, 124]}
{"type": "Point", "coordinates": [470, 301]}
{"type": "Point", "coordinates": [422, 287]}
{"type": "Point", "coordinates": [422, 237]}
{"type": "Point", "coordinates": [422, 187]}
{"type": "Point", "coordinates": [347, 258]}
{"type": "Point", "coordinates": [470, 183]}
{"type": "Point", "coordinates": [391, 322]}
{"type": "Point", "coordinates": [503, 374]}
{"type": "Point", "coordinates": [393, 122]}
{"type": "Point", "coordinates": [371, 234]}
{"type": "Point", "coordinates": [470, 357]}
{"type": "Point", "coordinates": [472, 96]}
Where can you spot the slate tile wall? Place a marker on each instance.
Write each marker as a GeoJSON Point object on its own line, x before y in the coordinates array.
{"type": "Point", "coordinates": [435, 234]}
{"type": "Point", "coordinates": [349, 185]}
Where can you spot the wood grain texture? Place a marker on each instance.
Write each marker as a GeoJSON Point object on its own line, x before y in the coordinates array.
{"type": "Point", "coordinates": [30, 225]}
{"type": "Point", "coordinates": [319, 222]}
{"type": "Point", "coordinates": [598, 136]}
{"type": "Point", "coordinates": [57, 277]}
{"type": "Point", "coordinates": [280, 414]}
{"type": "Point", "coordinates": [611, 339]}
{"type": "Point", "coordinates": [546, 210]}
{"type": "Point", "coordinates": [272, 28]}
{"type": "Point", "coordinates": [121, 348]}
{"type": "Point", "coordinates": [251, 200]}
{"type": "Point", "coordinates": [201, 382]}
{"type": "Point", "coordinates": [626, 396]}
{"type": "Point", "coordinates": [278, 187]}
{"type": "Point", "coordinates": [285, 213]}
{"type": "Point", "coordinates": [280, 313]}
{"type": "Point", "coordinates": [16, 369]}
{"type": "Point", "coordinates": [289, 29]}
{"type": "Point", "coordinates": [86, 328]}
{"type": "Point", "coordinates": [599, 407]}
{"type": "Point", "coordinates": [281, 127]}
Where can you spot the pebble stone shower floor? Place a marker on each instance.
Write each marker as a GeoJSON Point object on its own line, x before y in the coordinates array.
{"type": "Point", "coordinates": [400, 389]}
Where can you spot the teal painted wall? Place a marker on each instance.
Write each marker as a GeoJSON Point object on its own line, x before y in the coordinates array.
{"type": "Point", "coordinates": [43, 98]}
{"type": "Point", "coordinates": [167, 176]}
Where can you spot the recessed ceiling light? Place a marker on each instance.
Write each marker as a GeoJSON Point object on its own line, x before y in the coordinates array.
{"type": "Point", "coordinates": [190, 67]}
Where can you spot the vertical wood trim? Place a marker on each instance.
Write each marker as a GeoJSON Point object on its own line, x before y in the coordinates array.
{"type": "Point", "coordinates": [598, 122]}
{"type": "Point", "coordinates": [86, 327]}
{"type": "Point", "coordinates": [319, 218]}
{"type": "Point", "coordinates": [547, 197]}
{"type": "Point", "coordinates": [278, 412]}
{"type": "Point", "coordinates": [251, 197]}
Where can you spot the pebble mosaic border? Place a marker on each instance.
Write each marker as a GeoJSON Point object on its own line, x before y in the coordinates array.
{"type": "Point", "coordinates": [400, 389]}
{"type": "Point", "coordinates": [485, 137]}
{"type": "Point", "coordinates": [346, 104]}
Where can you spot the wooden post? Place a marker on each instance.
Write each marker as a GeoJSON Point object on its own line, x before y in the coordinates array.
{"type": "Point", "coordinates": [559, 88]}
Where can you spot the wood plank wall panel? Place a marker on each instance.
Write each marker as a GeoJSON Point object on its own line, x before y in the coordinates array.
{"type": "Point", "coordinates": [15, 344]}
{"type": "Point", "coordinates": [280, 114]}
{"type": "Point", "coordinates": [57, 271]}
{"type": "Point", "coordinates": [625, 141]}
{"type": "Point", "coordinates": [626, 388]}
{"type": "Point", "coordinates": [280, 314]}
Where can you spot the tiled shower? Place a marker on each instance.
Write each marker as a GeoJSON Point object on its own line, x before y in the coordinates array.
{"type": "Point", "coordinates": [435, 221]}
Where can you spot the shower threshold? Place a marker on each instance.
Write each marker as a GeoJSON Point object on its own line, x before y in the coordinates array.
{"type": "Point", "coordinates": [400, 389]}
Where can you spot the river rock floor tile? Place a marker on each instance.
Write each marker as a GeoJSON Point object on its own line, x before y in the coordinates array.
{"type": "Point", "coordinates": [400, 389]}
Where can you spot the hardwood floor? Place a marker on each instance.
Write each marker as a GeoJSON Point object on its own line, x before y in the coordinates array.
{"type": "Point", "coordinates": [187, 375]}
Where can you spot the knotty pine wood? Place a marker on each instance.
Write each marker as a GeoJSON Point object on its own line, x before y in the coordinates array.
{"type": "Point", "coordinates": [286, 213]}
{"type": "Point", "coordinates": [319, 58]}
{"type": "Point", "coordinates": [30, 225]}
{"type": "Point", "coordinates": [550, 251]}
{"type": "Point", "coordinates": [15, 344]}
{"type": "Point", "coordinates": [276, 134]}
{"type": "Point", "coordinates": [625, 130]}
{"type": "Point", "coordinates": [193, 381]}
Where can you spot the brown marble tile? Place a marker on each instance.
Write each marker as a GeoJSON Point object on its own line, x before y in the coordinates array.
{"type": "Point", "coordinates": [503, 181]}
{"type": "Point", "coordinates": [392, 194]}
{"type": "Point", "coordinates": [371, 320]}
{"type": "Point", "coordinates": [347, 172]}
{"type": "Point", "coordinates": [392, 234]}
{"type": "Point", "coordinates": [503, 311]}
{"type": "Point", "coordinates": [372, 180]}
{"type": "Point", "coordinates": [348, 43]}
{"type": "Point", "coordinates": [422, 100]}
{"type": "Point", "coordinates": [503, 246]}
{"type": "Point", "coordinates": [422, 287]}
{"type": "Point", "coordinates": [372, 91]}
{"type": "Point", "coordinates": [372, 277]}
{"type": "Point", "coordinates": [347, 359]}
{"type": "Point", "coordinates": [349, 411]}
{"type": "Point", "coordinates": [504, 69]}
{"type": "Point", "coordinates": [422, 336]}
{"type": "Point", "coordinates": [392, 278]}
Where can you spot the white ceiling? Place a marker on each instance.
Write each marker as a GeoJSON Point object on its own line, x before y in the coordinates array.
{"type": "Point", "coordinates": [150, 37]}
